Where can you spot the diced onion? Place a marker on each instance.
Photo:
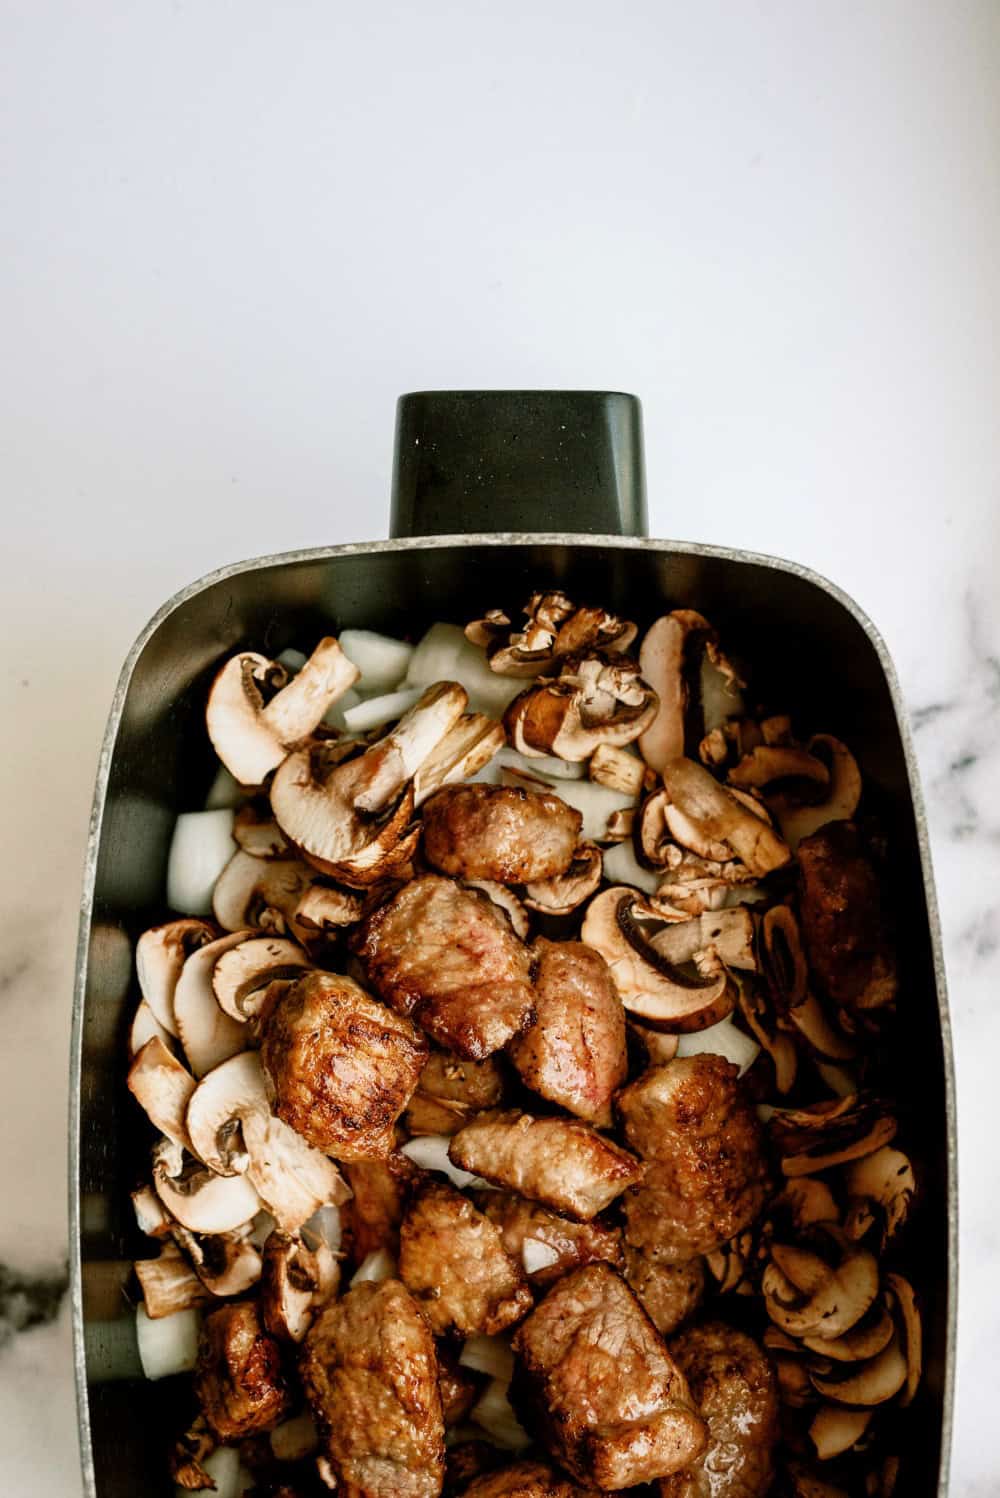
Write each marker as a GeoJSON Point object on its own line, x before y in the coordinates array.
{"type": "Point", "coordinates": [224, 791]}
{"type": "Point", "coordinates": [292, 660]}
{"type": "Point", "coordinates": [325, 1224]}
{"type": "Point", "coordinates": [490, 1355]}
{"type": "Point", "coordinates": [724, 1039]}
{"type": "Point", "coordinates": [537, 1255]}
{"type": "Point", "coordinates": [378, 1265]}
{"type": "Point", "coordinates": [373, 712]}
{"type": "Point", "coordinates": [493, 1414]}
{"type": "Point", "coordinates": [444, 654]}
{"type": "Point", "coordinates": [261, 1228]}
{"type": "Point", "coordinates": [719, 699]}
{"type": "Point", "coordinates": [335, 713]}
{"type": "Point", "coordinates": [545, 764]}
{"type": "Point", "coordinates": [294, 1439]}
{"type": "Point", "coordinates": [201, 847]}
{"type": "Point", "coordinates": [381, 660]}
{"type": "Point", "coordinates": [622, 867]}
{"type": "Point", "coordinates": [430, 1152]}
{"type": "Point", "coordinates": [594, 802]}
{"type": "Point", "coordinates": [169, 1344]}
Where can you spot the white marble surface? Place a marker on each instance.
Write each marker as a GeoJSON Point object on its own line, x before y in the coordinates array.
{"type": "Point", "coordinates": [234, 233]}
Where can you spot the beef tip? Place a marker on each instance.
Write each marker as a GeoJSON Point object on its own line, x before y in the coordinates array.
{"type": "Point", "coordinates": [499, 832]}
{"type": "Point", "coordinates": [594, 1381]}
{"type": "Point", "coordinates": [371, 1218]}
{"type": "Point", "coordinates": [453, 1262]}
{"type": "Point", "coordinates": [448, 957]}
{"type": "Point", "coordinates": [559, 1161]}
{"type": "Point", "coordinates": [238, 1380]}
{"type": "Point", "coordinates": [733, 1386]}
{"type": "Point", "coordinates": [460, 1387]}
{"type": "Point", "coordinates": [669, 1292]}
{"type": "Point", "coordinates": [843, 920]}
{"type": "Point", "coordinates": [450, 1091]}
{"type": "Point", "coordinates": [574, 1243]}
{"type": "Point", "coordinates": [526, 1480]}
{"type": "Point", "coordinates": [468, 1460]}
{"type": "Point", "coordinates": [342, 1065]}
{"type": "Point", "coordinates": [694, 1125]}
{"type": "Point", "coordinates": [370, 1374]}
{"type": "Point", "coordinates": [574, 1053]}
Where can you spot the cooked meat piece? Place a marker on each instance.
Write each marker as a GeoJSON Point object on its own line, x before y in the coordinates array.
{"type": "Point", "coordinates": [499, 832]}
{"type": "Point", "coordinates": [450, 1091]}
{"type": "Point", "coordinates": [342, 1065]}
{"type": "Point", "coordinates": [469, 1460]}
{"type": "Point", "coordinates": [669, 1292]}
{"type": "Point", "coordinates": [576, 1243]}
{"type": "Point", "coordinates": [733, 1386]}
{"type": "Point", "coordinates": [460, 1387]}
{"type": "Point", "coordinates": [574, 1053]}
{"type": "Point", "coordinates": [370, 1220]}
{"type": "Point", "coordinates": [843, 920]}
{"type": "Point", "coordinates": [447, 956]}
{"type": "Point", "coordinates": [559, 1161]}
{"type": "Point", "coordinates": [526, 1480]}
{"type": "Point", "coordinates": [593, 1379]}
{"type": "Point", "coordinates": [694, 1126]}
{"type": "Point", "coordinates": [238, 1380]}
{"type": "Point", "coordinates": [453, 1262]}
{"type": "Point", "coordinates": [370, 1374]}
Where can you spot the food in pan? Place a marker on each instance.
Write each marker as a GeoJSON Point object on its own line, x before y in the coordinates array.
{"type": "Point", "coordinates": [516, 1055]}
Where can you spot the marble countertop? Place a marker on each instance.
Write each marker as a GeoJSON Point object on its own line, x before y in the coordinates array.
{"type": "Point", "coordinates": [231, 246]}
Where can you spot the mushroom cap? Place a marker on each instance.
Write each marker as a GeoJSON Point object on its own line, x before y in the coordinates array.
{"type": "Point", "coordinates": [840, 803]}
{"type": "Point", "coordinates": [661, 661]}
{"type": "Point", "coordinates": [723, 817]}
{"type": "Point", "coordinates": [297, 1280]}
{"type": "Point", "coordinates": [162, 1087]}
{"type": "Point", "coordinates": [563, 893]}
{"type": "Point", "coordinates": [866, 1384]}
{"type": "Point", "coordinates": [254, 891]}
{"type": "Point", "coordinates": [160, 954]}
{"type": "Point", "coordinates": [240, 977]}
{"type": "Point", "coordinates": [834, 1430]}
{"type": "Point", "coordinates": [208, 1035]}
{"type": "Point", "coordinates": [201, 1200]}
{"type": "Point", "coordinates": [592, 701]}
{"type": "Point", "coordinates": [885, 1177]}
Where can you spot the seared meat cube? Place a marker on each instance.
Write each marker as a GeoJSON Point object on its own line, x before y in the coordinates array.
{"type": "Point", "coordinates": [696, 1129]}
{"type": "Point", "coordinates": [460, 1387]}
{"type": "Point", "coordinates": [453, 1262]}
{"type": "Point", "coordinates": [593, 1379]}
{"type": "Point", "coordinates": [342, 1065]}
{"type": "Point", "coordinates": [238, 1380]}
{"type": "Point", "coordinates": [448, 957]}
{"type": "Point", "coordinates": [843, 920]}
{"type": "Point", "coordinates": [526, 1480]}
{"type": "Point", "coordinates": [450, 1091]}
{"type": "Point", "coordinates": [468, 1460]}
{"type": "Point", "coordinates": [669, 1292]}
{"type": "Point", "coordinates": [371, 1218]}
{"type": "Point", "coordinates": [559, 1161]}
{"type": "Point", "coordinates": [370, 1374]}
{"type": "Point", "coordinates": [574, 1243]}
{"type": "Point", "coordinates": [574, 1053]}
{"type": "Point", "coordinates": [733, 1386]}
{"type": "Point", "coordinates": [499, 832]}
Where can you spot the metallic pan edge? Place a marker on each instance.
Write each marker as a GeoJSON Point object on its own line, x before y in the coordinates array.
{"type": "Point", "coordinates": [426, 543]}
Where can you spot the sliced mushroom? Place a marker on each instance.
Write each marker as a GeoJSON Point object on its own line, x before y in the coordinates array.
{"type": "Point", "coordinates": [832, 1133]}
{"type": "Point", "coordinates": [162, 1087]}
{"type": "Point", "coordinates": [555, 627]}
{"type": "Point", "coordinates": [727, 933]}
{"type": "Point", "coordinates": [188, 1455]}
{"type": "Point", "coordinates": [225, 1263]}
{"type": "Point", "coordinates": [592, 701]}
{"type": "Point", "coordinates": [260, 892]}
{"type": "Point", "coordinates": [809, 1294]}
{"type": "Point", "coordinates": [208, 1035]}
{"type": "Point", "coordinates": [258, 834]}
{"type": "Point", "coordinates": [352, 820]}
{"type": "Point", "coordinates": [144, 1027]}
{"type": "Point", "coordinates": [252, 736]}
{"type": "Point", "coordinates": [721, 817]}
{"type": "Point", "coordinates": [768, 763]}
{"type": "Point", "coordinates": [805, 1201]}
{"type": "Point", "coordinates": [618, 769]}
{"type": "Point", "coordinates": [904, 1303]}
{"type": "Point", "coordinates": [886, 1179]}
{"type": "Point", "coordinates": [297, 1280]}
{"type": "Point", "coordinates": [730, 1262]}
{"type": "Point", "coordinates": [505, 898]}
{"type": "Point", "coordinates": [198, 1198]}
{"type": "Point", "coordinates": [234, 1131]}
{"type": "Point", "coordinates": [460, 755]}
{"type": "Point", "coordinates": [756, 1010]}
{"type": "Point", "coordinates": [563, 893]}
{"type": "Point", "coordinates": [834, 1430]}
{"type": "Point", "coordinates": [324, 908]}
{"type": "Point", "coordinates": [866, 1384]}
{"type": "Point", "coordinates": [841, 802]}
{"type": "Point", "coordinates": [866, 1339]}
{"type": "Point", "coordinates": [650, 985]}
{"type": "Point", "coordinates": [662, 663]}
{"type": "Point", "coordinates": [169, 1284]}
{"type": "Point", "coordinates": [150, 1215]}
{"type": "Point", "coordinates": [241, 975]}
{"type": "Point", "coordinates": [658, 1045]}
{"type": "Point", "coordinates": [784, 961]}
{"type": "Point", "coordinates": [160, 954]}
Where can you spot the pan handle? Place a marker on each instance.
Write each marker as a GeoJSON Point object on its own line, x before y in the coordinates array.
{"type": "Point", "coordinates": [471, 461]}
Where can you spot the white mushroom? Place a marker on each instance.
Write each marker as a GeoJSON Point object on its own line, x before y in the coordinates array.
{"type": "Point", "coordinates": [258, 834]}
{"type": "Point", "coordinates": [225, 1263]}
{"type": "Point", "coordinates": [241, 976]}
{"type": "Point", "coordinates": [884, 1178]}
{"type": "Point", "coordinates": [840, 803]}
{"type": "Point", "coordinates": [160, 954]}
{"type": "Point", "coordinates": [461, 754]}
{"type": "Point", "coordinates": [661, 661]}
{"type": "Point", "coordinates": [252, 736]}
{"type": "Point", "coordinates": [727, 933]}
{"type": "Point", "coordinates": [297, 1280]}
{"type": "Point", "coordinates": [618, 769]}
{"type": "Point", "coordinates": [144, 1027]}
{"type": "Point", "coordinates": [563, 893]}
{"type": "Point", "coordinates": [590, 702]}
{"type": "Point", "coordinates": [169, 1284]}
{"type": "Point", "coordinates": [198, 1198]}
{"type": "Point", "coordinates": [834, 1430]}
{"type": "Point", "coordinates": [150, 1215]}
{"type": "Point", "coordinates": [723, 817]}
{"type": "Point", "coordinates": [866, 1384]}
{"type": "Point", "coordinates": [163, 1088]}
{"type": "Point", "coordinates": [207, 1033]}
{"type": "Point", "coordinates": [504, 897]}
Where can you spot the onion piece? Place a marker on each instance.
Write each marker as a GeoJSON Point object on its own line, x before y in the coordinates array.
{"type": "Point", "coordinates": [537, 1255]}
{"type": "Point", "coordinates": [492, 1413]}
{"type": "Point", "coordinates": [325, 1225]}
{"type": "Point", "coordinates": [491, 1355]}
{"type": "Point", "coordinates": [292, 660]}
{"type": "Point", "coordinates": [444, 654]}
{"type": "Point", "coordinates": [169, 1344]}
{"type": "Point", "coordinates": [543, 764]}
{"type": "Point", "coordinates": [430, 1152]}
{"type": "Point", "coordinates": [373, 712]}
{"type": "Point", "coordinates": [225, 791]}
{"type": "Point", "coordinates": [622, 867]}
{"type": "Point", "coordinates": [261, 1228]}
{"type": "Point", "coordinates": [200, 848]}
{"type": "Point", "coordinates": [382, 660]}
{"type": "Point", "coordinates": [378, 1265]}
{"type": "Point", "coordinates": [724, 1039]}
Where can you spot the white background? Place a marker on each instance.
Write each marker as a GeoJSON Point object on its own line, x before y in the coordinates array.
{"type": "Point", "coordinates": [234, 232]}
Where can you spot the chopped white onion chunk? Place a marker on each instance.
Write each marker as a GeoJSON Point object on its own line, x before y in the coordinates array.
{"type": "Point", "coordinates": [334, 715]}
{"type": "Point", "coordinates": [724, 1039]}
{"type": "Point", "coordinates": [622, 867]}
{"type": "Point", "coordinates": [493, 1413]}
{"type": "Point", "coordinates": [325, 1224]}
{"type": "Point", "coordinates": [430, 1152]}
{"type": "Point", "coordinates": [381, 660]}
{"type": "Point", "coordinates": [373, 712]}
{"type": "Point", "coordinates": [491, 1355]}
{"type": "Point", "coordinates": [292, 660]}
{"type": "Point", "coordinates": [378, 1265]}
{"type": "Point", "coordinates": [201, 847]}
{"type": "Point", "coordinates": [537, 1255]}
{"type": "Point", "coordinates": [169, 1344]}
{"type": "Point", "coordinates": [545, 764]}
{"type": "Point", "coordinates": [444, 654]}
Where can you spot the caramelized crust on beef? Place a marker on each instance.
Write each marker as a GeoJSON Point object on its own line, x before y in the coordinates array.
{"type": "Point", "coordinates": [499, 832]}
{"type": "Point", "coordinates": [843, 920]}
{"type": "Point", "coordinates": [669, 1292]}
{"type": "Point", "coordinates": [238, 1381]}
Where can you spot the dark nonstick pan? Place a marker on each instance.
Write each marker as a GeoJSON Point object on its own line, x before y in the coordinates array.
{"type": "Point", "coordinates": [477, 476]}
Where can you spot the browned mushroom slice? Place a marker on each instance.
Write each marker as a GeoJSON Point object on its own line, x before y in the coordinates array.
{"type": "Point", "coordinates": [297, 1279]}
{"type": "Point", "coordinates": [592, 701]}
{"type": "Point", "coordinates": [226, 1263]}
{"type": "Point", "coordinates": [721, 817]}
{"type": "Point", "coordinates": [463, 751]}
{"type": "Point", "coordinates": [658, 1045]}
{"type": "Point", "coordinates": [903, 1302]}
{"type": "Point", "coordinates": [241, 975]}
{"type": "Point", "coordinates": [562, 893]}
{"type": "Point", "coordinates": [697, 686]}
{"type": "Point", "coordinates": [169, 1283]}
{"type": "Point", "coordinates": [768, 763]}
{"type": "Point", "coordinates": [162, 1087]}
{"type": "Point", "coordinates": [351, 819]}
{"type": "Point", "coordinates": [450, 1091]}
{"type": "Point", "coordinates": [866, 1339]}
{"type": "Point", "coordinates": [493, 626]}
{"type": "Point", "coordinates": [730, 1263]}
{"type": "Point", "coordinates": [252, 736]}
{"type": "Point", "coordinates": [618, 769]}
{"type": "Point", "coordinates": [834, 1430]}
{"type": "Point", "coordinates": [784, 961]}
{"type": "Point", "coordinates": [730, 934]}
{"type": "Point", "coordinates": [554, 627]}
{"type": "Point", "coordinates": [197, 1197]}
{"type": "Point", "coordinates": [866, 1384]}
{"type": "Point", "coordinates": [160, 954]}
{"type": "Point", "coordinates": [257, 833]}
{"type": "Point", "coordinates": [886, 1179]}
{"type": "Point", "coordinates": [323, 908]}
{"type": "Point", "coordinates": [187, 1455]}
{"type": "Point", "coordinates": [843, 793]}
{"type": "Point", "coordinates": [756, 1009]}
{"type": "Point", "coordinates": [507, 901]}
{"type": "Point", "coordinates": [832, 1133]}
{"type": "Point", "coordinates": [819, 1294]}
{"type": "Point", "coordinates": [620, 924]}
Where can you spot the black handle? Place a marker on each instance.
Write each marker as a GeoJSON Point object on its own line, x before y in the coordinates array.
{"type": "Point", "coordinates": [471, 461]}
